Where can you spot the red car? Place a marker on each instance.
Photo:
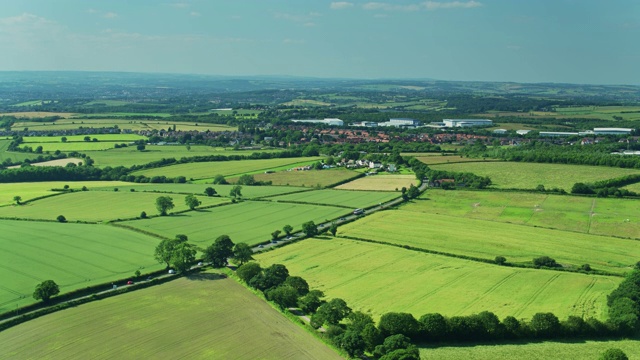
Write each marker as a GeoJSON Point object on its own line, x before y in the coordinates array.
{"type": "Point", "coordinates": [129, 282]}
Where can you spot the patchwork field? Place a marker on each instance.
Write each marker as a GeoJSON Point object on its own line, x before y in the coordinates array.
{"type": "Point", "coordinates": [205, 170]}
{"type": "Point", "coordinates": [73, 255]}
{"type": "Point", "coordinates": [380, 183]}
{"type": "Point", "coordinates": [13, 156]}
{"type": "Point", "coordinates": [380, 278]}
{"type": "Point", "coordinates": [36, 114]}
{"type": "Point", "coordinates": [107, 122]}
{"type": "Point", "coordinates": [80, 138]}
{"type": "Point", "coordinates": [196, 317]}
{"type": "Point", "coordinates": [352, 199]}
{"type": "Point", "coordinates": [600, 216]}
{"type": "Point", "coordinates": [579, 112]}
{"type": "Point", "coordinates": [310, 178]}
{"type": "Point", "coordinates": [435, 159]}
{"type": "Point", "coordinates": [58, 162]}
{"type": "Point", "coordinates": [30, 190]}
{"type": "Point", "coordinates": [248, 192]}
{"type": "Point", "coordinates": [488, 239]}
{"type": "Point", "coordinates": [251, 222]}
{"type": "Point", "coordinates": [575, 350]}
{"type": "Point", "coordinates": [518, 175]}
{"type": "Point", "coordinates": [98, 206]}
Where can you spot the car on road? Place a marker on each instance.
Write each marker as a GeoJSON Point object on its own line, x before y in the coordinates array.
{"type": "Point", "coordinates": [343, 219]}
{"type": "Point", "coordinates": [129, 282]}
{"type": "Point", "coordinates": [289, 237]}
{"type": "Point", "coordinates": [260, 246]}
{"type": "Point", "coordinates": [358, 212]}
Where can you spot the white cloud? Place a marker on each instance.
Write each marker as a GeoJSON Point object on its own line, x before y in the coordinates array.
{"type": "Point", "coordinates": [428, 5]}
{"type": "Point", "coordinates": [293, 41]}
{"type": "Point", "coordinates": [339, 5]}
{"type": "Point", "coordinates": [110, 15]}
{"type": "Point", "coordinates": [92, 11]}
{"type": "Point", "coordinates": [180, 5]}
{"type": "Point", "coordinates": [195, 13]}
{"type": "Point", "coordinates": [434, 5]}
{"type": "Point", "coordinates": [304, 19]}
{"type": "Point", "coordinates": [390, 7]}
{"type": "Point", "coordinates": [310, 24]}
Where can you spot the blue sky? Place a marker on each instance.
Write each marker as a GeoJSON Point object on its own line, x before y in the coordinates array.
{"type": "Point", "coordinates": [573, 41]}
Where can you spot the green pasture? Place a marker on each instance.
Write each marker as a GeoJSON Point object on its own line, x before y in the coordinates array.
{"type": "Point", "coordinates": [309, 178]}
{"type": "Point", "coordinates": [380, 183]}
{"type": "Point", "coordinates": [436, 159]}
{"type": "Point", "coordinates": [377, 279]}
{"type": "Point", "coordinates": [30, 190]}
{"type": "Point", "coordinates": [98, 206]}
{"type": "Point", "coordinates": [571, 349]}
{"type": "Point", "coordinates": [353, 199]}
{"type": "Point", "coordinates": [129, 156]}
{"type": "Point", "coordinates": [124, 114]}
{"type": "Point", "coordinates": [73, 255]}
{"type": "Point", "coordinates": [248, 192]}
{"type": "Point", "coordinates": [74, 146]}
{"type": "Point", "coordinates": [251, 222]}
{"type": "Point", "coordinates": [203, 316]}
{"type": "Point", "coordinates": [13, 156]}
{"type": "Point", "coordinates": [75, 123]}
{"type": "Point", "coordinates": [519, 175]}
{"type": "Point", "coordinates": [207, 170]}
{"type": "Point", "coordinates": [80, 138]}
{"type": "Point", "coordinates": [600, 216]}
{"type": "Point", "coordinates": [488, 239]}
{"type": "Point", "coordinates": [578, 112]}
{"type": "Point", "coordinates": [29, 103]}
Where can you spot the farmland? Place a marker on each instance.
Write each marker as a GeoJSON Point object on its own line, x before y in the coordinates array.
{"type": "Point", "coordinates": [516, 175]}
{"type": "Point", "coordinates": [197, 317]}
{"type": "Point", "coordinates": [488, 239]}
{"type": "Point", "coordinates": [317, 178]}
{"type": "Point", "coordinates": [248, 192]}
{"type": "Point", "coordinates": [205, 170]}
{"type": "Point", "coordinates": [579, 112]}
{"type": "Point", "coordinates": [576, 350]}
{"type": "Point", "coordinates": [379, 278]}
{"type": "Point", "coordinates": [73, 123]}
{"type": "Point", "coordinates": [351, 199]}
{"type": "Point", "coordinates": [380, 183]}
{"type": "Point", "coordinates": [30, 190]}
{"type": "Point", "coordinates": [249, 221]}
{"type": "Point", "coordinates": [80, 138]}
{"type": "Point", "coordinates": [599, 216]}
{"type": "Point", "coordinates": [13, 156]}
{"type": "Point", "coordinates": [97, 206]}
{"type": "Point", "coordinates": [75, 255]}
{"type": "Point", "coordinates": [436, 159]}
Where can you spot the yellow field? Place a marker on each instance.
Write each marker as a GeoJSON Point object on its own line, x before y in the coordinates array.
{"type": "Point", "coordinates": [380, 183]}
{"type": "Point", "coordinates": [59, 162]}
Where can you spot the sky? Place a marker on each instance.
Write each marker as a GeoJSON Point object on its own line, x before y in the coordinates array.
{"type": "Point", "coordinates": [561, 41]}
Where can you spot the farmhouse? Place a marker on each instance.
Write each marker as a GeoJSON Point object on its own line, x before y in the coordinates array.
{"type": "Point", "coordinates": [466, 122]}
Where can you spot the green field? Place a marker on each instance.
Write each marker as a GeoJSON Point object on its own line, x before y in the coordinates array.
{"type": "Point", "coordinates": [518, 175]}
{"type": "Point", "coordinates": [206, 170]}
{"type": "Point", "coordinates": [352, 199]}
{"type": "Point", "coordinates": [199, 317]}
{"type": "Point", "coordinates": [107, 122]}
{"type": "Point", "coordinates": [13, 156]}
{"type": "Point", "coordinates": [579, 112]}
{"type": "Point", "coordinates": [315, 178]}
{"type": "Point", "coordinates": [575, 350]}
{"type": "Point", "coordinates": [380, 183]}
{"type": "Point", "coordinates": [488, 239]}
{"type": "Point", "coordinates": [248, 192]}
{"type": "Point", "coordinates": [80, 138]}
{"type": "Point", "coordinates": [30, 190]}
{"type": "Point", "coordinates": [251, 222]}
{"type": "Point", "coordinates": [73, 255]}
{"type": "Point", "coordinates": [129, 156]}
{"type": "Point", "coordinates": [436, 159]}
{"type": "Point", "coordinates": [599, 216]}
{"type": "Point", "coordinates": [98, 206]}
{"type": "Point", "coordinates": [380, 278]}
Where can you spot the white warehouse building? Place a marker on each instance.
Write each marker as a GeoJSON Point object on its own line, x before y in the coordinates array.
{"type": "Point", "coordinates": [612, 131]}
{"type": "Point", "coordinates": [401, 122]}
{"type": "Point", "coordinates": [467, 122]}
{"type": "Point", "coordinates": [330, 122]}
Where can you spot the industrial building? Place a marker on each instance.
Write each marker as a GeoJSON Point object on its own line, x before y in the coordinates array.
{"type": "Point", "coordinates": [466, 122]}
{"type": "Point", "coordinates": [401, 122]}
{"type": "Point", "coordinates": [557, 133]}
{"type": "Point", "coordinates": [365, 124]}
{"type": "Point", "coordinates": [330, 122]}
{"type": "Point", "coordinates": [612, 131]}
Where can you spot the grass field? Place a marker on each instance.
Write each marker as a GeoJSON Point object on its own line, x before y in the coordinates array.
{"type": "Point", "coordinates": [251, 222]}
{"type": "Point", "coordinates": [517, 175]}
{"type": "Point", "coordinates": [321, 178]}
{"type": "Point", "coordinates": [380, 183]}
{"type": "Point", "coordinates": [600, 216]}
{"type": "Point", "coordinates": [579, 112]}
{"type": "Point", "coordinates": [80, 138]}
{"type": "Point", "coordinates": [207, 170]}
{"type": "Point", "coordinates": [30, 190]}
{"type": "Point", "coordinates": [97, 206]}
{"type": "Point", "coordinates": [36, 114]}
{"type": "Point", "coordinates": [73, 255]}
{"type": "Point", "coordinates": [13, 156]}
{"type": "Point", "coordinates": [488, 239]}
{"type": "Point", "coordinates": [248, 192]}
{"type": "Point", "coordinates": [107, 122]}
{"type": "Point", "coordinates": [131, 156]}
{"type": "Point", "coordinates": [436, 159]}
{"type": "Point", "coordinates": [198, 317]}
{"type": "Point", "coordinates": [380, 278]}
{"type": "Point", "coordinates": [74, 146]}
{"type": "Point", "coordinates": [353, 199]}
{"type": "Point", "coordinates": [58, 162]}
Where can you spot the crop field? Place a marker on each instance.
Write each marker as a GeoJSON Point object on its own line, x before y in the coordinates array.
{"type": "Point", "coordinates": [58, 162]}
{"type": "Point", "coordinates": [488, 239]}
{"type": "Point", "coordinates": [379, 278]}
{"type": "Point", "coordinates": [575, 350]}
{"type": "Point", "coordinates": [251, 222]}
{"type": "Point", "coordinates": [311, 178]}
{"type": "Point", "coordinates": [74, 123]}
{"type": "Point", "coordinates": [97, 206]}
{"type": "Point", "coordinates": [380, 183]}
{"type": "Point", "coordinates": [129, 156]}
{"type": "Point", "coordinates": [352, 199]}
{"type": "Point", "coordinates": [13, 156]}
{"type": "Point", "coordinates": [73, 255]}
{"type": "Point", "coordinates": [30, 190]}
{"type": "Point", "coordinates": [206, 170]}
{"type": "Point", "coordinates": [36, 114]}
{"type": "Point", "coordinates": [517, 175]}
{"type": "Point", "coordinates": [436, 159]}
{"type": "Point", "coordinates": [248, 192]}
{"type": "Point", "coordinates": [600, 216]}
{"type": "Point", "coordinates": [579, 112]}
{"type": "Point", "coordinates": [80, 138]}
{"type": "Point", "coordinates": [198, 317]}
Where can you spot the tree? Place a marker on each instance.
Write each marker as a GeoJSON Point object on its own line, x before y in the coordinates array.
{"type": "Point", "coordinates": [275, 234]}
{"type": "Point", "coordinates": [613, 354]}
{"type": "Point", "coordinates": [236, 191]}
{"type": "Point", "coordinates": [392, 343]}
{"type": "Point", "coordinates": [500, 260]}
{"type": "Point", "coordinates": [17, 199]}
{"type": "Point", "coordinates": [284, 296]}
{"type": "Point", "coordinates": [143, 215]}
{"type": "Point", "coordinates": [220, 251]}
{"type": "Point", "coordinates": [271, 277]}
{"type": "Point", "coordinates": [246, 179]}
{"type": "Point", "coordinates": [87, 138]}
{"type": "Point", "coordinates": [63, 139]}
{"type": "Point", "coordinates": [287, 229]}
{"type": "Point", "coordinates": [333, 229]}
{"type": "Point", "coordinates": [352, 342]}
{"type": "Point", "coordinates": [393, 323]}
{"type": "Point", "coordinates": [45, 290]}
{"type": "Point", "coordinates": [191, 201]}
{"type": "Point", "coordinates": [545, 325]}
{"type": "Point", "coordinates": [210, 191]}
{"type": "Point", "coordinates": [310, 228]}
{"type": "Point", "coordinates": [299, 284]}
{"type": "Point", "coordinates": [164, 250]}
{"type": "Point", "coordinates": [434, 326]}
{"type": "Point", "coordinates": [248, 271]}
{"type": "Point", "coordinates": [219, 179]}
{"type": "Point", "coordinates": [242, 253]}
{"type": "Point", "coordinates": [184, 254]}
{"type": "Point", "coordinates": [310, 302]}
{"type": "Point", "coordinates": [140, 147]}
{"type": "Point", "coordinates": [544, 261]}
{"type": "Point", "coordinates": [164, 204]}
{"type": "Point", "coordinates": [334, 311]}
{"type": "Point", "coordinates": [413, 192]}
{"type": "Point", "coordinates": [61, 218]}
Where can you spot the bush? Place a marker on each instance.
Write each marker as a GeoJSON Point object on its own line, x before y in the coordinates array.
{"type": "Point", "coordinates": [143, 215]}
{"type": "Point", "coordinates": [544, 261]}
{"type": "Point", "coordinates": [613, 354]}
{"type": "Point", "coordinates": [61, 218]}
{"type": "Point", "coordinates": [500, 260]}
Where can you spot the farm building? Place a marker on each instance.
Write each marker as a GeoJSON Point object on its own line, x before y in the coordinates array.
{"type": "Point", "coordinates": [467, 122]}
{"type": "Point", "coordinates": [330, 122]}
